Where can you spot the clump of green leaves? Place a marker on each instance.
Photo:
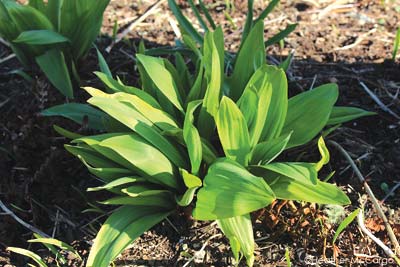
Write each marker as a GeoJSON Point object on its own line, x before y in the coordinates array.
{"type": "Point", "coordinates": [205, 139]}
{"type": "Point", "coordinates": [55, 34]}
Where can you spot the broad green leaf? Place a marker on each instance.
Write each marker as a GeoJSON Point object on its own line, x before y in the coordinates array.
{"type": "Point", "coordinates": [345, 114]}
{"type": "Point", "coordinates": [248, 103]}
{"type": "Point", "coordinates": [301, 188]}
{"type": "Point", "coordinates": [213, 73]}
{"type": "Point", "coordinates": [192, 137]}
{"type": "Point", "coordinates": [233, 132]}
{"type": "Point", "coordinates": [229, 190]}
{"type": "Point", "coordinates": [239, 231]}
{"type": "Point", "coordinates": [345, 223]}
{"type": "Point", "coordinates": [157, 116]}
{"type": "Point", "coordinates": [66, 133]}
{"type": "Point", "coordinates": [208, 151]}
{"type": "Point", "coordinates": [264, 103]}
{"type": "Point", "coordinates": [91, 157]}
{"type": "Point", "coordinates": [176, 77]}
{"type": "Point", "coordinates": [90, 16]}
{"type": "Point", "coordinates": [143, 190]}
{"type": "Point", "coordinates": [54, 12]}
{"type": "Point", "coordinates": [120, 230]}
{"type": "Point", "coordinates": [192, 183]}
{"type": "Point", "coordinates": [162, 78]}
{"type": "Point", "coordinates": [161, 199]}
{"type": "Point", "coordinates": [183, 72]}
{"type": "Point", "coordinates": [278, 106]}
{"type": "Point", "coordinates": [184, 23]}
{"type": "Point", "coordinates": [128, 116]}
{"type": "Point", "coordinates": [196, 91]}
{"type": "Point", "coordinates": [265, 152]}
{"type": "Point", "coordinates": [40, 37]}
{"type": "Point", "coordinates": [117, 87]}
{"type": "Point", "coordinates": [250, 57]}
{"type": "Point", "coordinates": [264, 89]}
{"type": "Point", "coordinates": [149, 160]}
{"type": "Point", "coordinates": [80, 113]}
{"type": "Point", "coordinates": [37, 4]}
{"type": "Point", "coordinates": [36, 258]}
{"type": "Point", "coordinates": [57, 243]}
{"type": "Point", "coordinates": [116, 183]}
{"type": "Point", "coordinates": [308, 113]}
{"type": "Point", "coordinates": [106, 174]}
{"type": "Point", "coordinates": [26, 17]}
{"type": "Point", "coordinates": [301, 171]}
{"type": "Point", "coordinates": [52, 63]}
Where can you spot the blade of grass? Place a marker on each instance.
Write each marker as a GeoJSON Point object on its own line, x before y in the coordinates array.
{"type": "Point", "coordinates": [198, 16]}
{"type": "Point", "coordinates": [207, 14]}
{"type": "Point", "coordinates": [267, 10]}
{"type": "Point", "coordinates": [345, 223]}
{"type": "Point", "coordinates": [396, 44]}
{"type": "Point", "coordinates": [282, 34]}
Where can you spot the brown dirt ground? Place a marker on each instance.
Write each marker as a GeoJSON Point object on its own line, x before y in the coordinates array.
{"type": "Point", "coordinates": [346, 42]}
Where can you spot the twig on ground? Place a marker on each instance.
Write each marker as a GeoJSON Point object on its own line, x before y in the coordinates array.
{"type": "Point", "coordinates": [173, 226]}
{"type": "Point", "coordinates": [378, 101]}
{"type": "Point", "coordinates": [391, 192]}
{"type": "Point", "coordinates": [20, 221]}
{"type": "Point", "coordinates": [357, 42]}
{"type": "Point", "coordinates": [2, 60]}
{"type": "Point", "coordinates": [134, 23]}
{"type": "Point", "coordinates": [371, 194]}
{"type": "Point", "coordinates": [201, 249]}
{"type": "Point", "coordinates": [4, 42]}
{"type": "Point", "coordinates": [385, 248]}
{"type": "Point", "coordinates": [336, 5]}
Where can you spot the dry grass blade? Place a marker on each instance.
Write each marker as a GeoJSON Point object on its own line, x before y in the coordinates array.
{"type": "Point", "coordinates": [386, 249]}
{"type": "Point", "coordinates": [7, 211]}
{"type": "Point", "coordinates": [150, 11]}
{"type": "Point", "coordinates": [378, 101]}
{"type": "Point", "coordinates": [371, 194]}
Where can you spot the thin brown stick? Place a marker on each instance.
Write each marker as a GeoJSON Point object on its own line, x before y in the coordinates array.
{"type": "Point", "coordinates": [371, 194]}
{"type": "Point", "coordinates": [7, 211]}
{"type": "Point", "coordinates": [385, 248]}
{"type": "Point", "coordinates": [135, 23]}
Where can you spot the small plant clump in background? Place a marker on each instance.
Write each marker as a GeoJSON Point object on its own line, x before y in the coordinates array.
{"type": "Point", "coordinates": [55, 34]}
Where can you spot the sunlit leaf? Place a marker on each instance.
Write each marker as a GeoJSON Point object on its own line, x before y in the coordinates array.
{"type": "Point", "coordinates": [233, 132]}
{"type": "Point", "coordinates": [229, 190]}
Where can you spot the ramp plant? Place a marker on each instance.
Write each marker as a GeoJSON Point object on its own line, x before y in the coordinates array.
{"type": "Point", "coordinates": [55, 34]}
{"type": "Point", "coordinates": [202, 138]}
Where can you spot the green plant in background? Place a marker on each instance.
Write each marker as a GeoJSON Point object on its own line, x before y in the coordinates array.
{"type": "Point", "coordinates": [188, 29]}
{"type": "Point", "coordinates": [204, 139]}
{"type": "Point", "coordinates": [57, 248]}
{"type": "Point", "coordinates": [54, 33]}
{"type": "Point", "coordinates": [396, 44]}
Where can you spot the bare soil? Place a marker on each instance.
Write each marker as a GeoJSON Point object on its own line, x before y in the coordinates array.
{"type": "Point", "coordinates": [346, 43]}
